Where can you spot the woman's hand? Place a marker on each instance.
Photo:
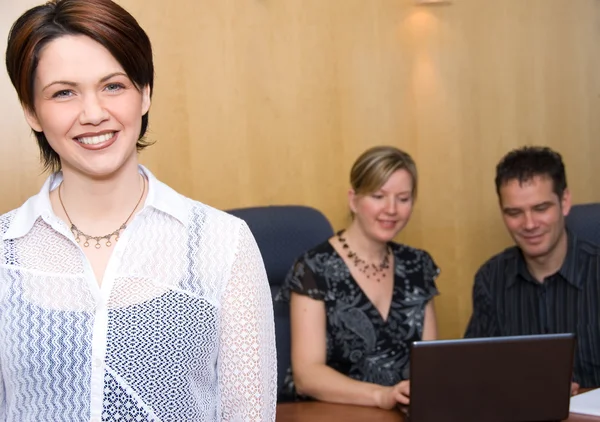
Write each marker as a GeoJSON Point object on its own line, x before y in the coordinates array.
{"type": "Point", "coordinates": [390, 397]}
{"type": "Point", "coordinates": [574, 388]}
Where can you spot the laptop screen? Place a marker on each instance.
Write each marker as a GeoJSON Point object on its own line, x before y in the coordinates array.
{"type": "Point", "coordinates": [519, 378]}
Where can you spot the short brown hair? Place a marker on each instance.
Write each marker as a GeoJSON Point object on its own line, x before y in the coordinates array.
{"type": "Point", "coordinates": [525, 163]}
{"type": "Point", "coordinates": [105, 22]}
{"type": "Point", "coordinates": [375, 166]}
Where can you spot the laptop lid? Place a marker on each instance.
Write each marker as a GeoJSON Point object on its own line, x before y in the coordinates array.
{"type": "Point", "coordinates": [520, 378]}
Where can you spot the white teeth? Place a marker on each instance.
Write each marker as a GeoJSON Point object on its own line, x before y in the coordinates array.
{"type": "Point", "coordinates": [93, 140]}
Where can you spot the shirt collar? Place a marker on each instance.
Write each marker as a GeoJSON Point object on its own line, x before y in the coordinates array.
{"type": "Point", "coordinates": [165, 199]}
{"type": "Point", "coordinates": [516, 265]}
{"type": "Point", "coordinates": [160, 197]}
{"type": "Point", "coordinates": [35, 207]}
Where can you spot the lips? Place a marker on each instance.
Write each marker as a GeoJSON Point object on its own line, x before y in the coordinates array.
{"type": "Point", "coordinates": [97, 141]}
{"type": "Point", "coordinates": [533, 239]}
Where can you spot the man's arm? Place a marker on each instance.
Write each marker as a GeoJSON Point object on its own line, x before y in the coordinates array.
{"type": "Point", "coordinates": [484, 319]}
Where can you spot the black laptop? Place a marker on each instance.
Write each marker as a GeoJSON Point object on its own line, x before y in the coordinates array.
{"type": "Point", "coordinates": [509, 379]}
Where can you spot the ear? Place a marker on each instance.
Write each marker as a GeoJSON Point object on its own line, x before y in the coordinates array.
{"type": "Point", "coordinates": [565, 202]}
{"type": "Point", "coordinates": [32, 119]}
{"type": "Point", "coordinates": [352, 200]}
{"type": "Point", "coordinates": [146, 99]}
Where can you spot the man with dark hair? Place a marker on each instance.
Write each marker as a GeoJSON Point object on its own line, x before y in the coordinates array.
{"type": "Point", "coordinates": [550, 281]}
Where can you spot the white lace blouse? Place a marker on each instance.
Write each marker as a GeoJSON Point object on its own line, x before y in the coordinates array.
{"type": "Point", "coordinates": [181, 328]}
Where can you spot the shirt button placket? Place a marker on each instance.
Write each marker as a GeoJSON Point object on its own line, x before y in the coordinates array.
{"type": "Point", "coordinates": [544, 310]}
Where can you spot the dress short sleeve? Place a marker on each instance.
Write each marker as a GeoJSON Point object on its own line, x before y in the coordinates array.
{"type": "Point", "coordinates": [430, 273]}
{"type": "Point", "coordinates": [313, 273]}
{"type": "Point", "coordinates": [301, 279]}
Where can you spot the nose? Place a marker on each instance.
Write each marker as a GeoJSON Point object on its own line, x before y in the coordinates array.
{"type": "Point", "coordinates": [92, 111]}
{"type": "Point", "coordinates": [529, 222]}
{"type": "Point", "coordinates": [390, 205]}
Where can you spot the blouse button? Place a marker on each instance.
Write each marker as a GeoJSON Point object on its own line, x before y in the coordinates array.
{"type": "Point", "coordinates": [97, 362]}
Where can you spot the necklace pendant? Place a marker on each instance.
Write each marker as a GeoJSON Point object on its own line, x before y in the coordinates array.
{"type": "Point", "coordinates": [77, 234]}
{"type": "Point", "coordinates": [377, 271]}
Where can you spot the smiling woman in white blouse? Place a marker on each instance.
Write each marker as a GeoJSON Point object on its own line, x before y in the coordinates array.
{"type": "Point", "coordinates": [119, 298]}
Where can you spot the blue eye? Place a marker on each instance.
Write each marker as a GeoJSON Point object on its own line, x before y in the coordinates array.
{"type": "Point", "coordinates": [113, 87]}
{"type": "Point", "coordinates": [63, 93]}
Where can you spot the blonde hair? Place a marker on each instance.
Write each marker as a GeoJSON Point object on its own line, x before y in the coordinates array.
{"type": "Point", "coordinates": [375, 166]}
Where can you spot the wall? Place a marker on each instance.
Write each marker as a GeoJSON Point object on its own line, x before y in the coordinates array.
{"type": "Point", "coordinates": [269, 102]}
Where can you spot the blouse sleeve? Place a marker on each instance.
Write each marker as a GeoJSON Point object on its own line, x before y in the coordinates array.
{"type": "Point", "coordinates": [247, 362]}
{"type": "Point", "coordinates": [302, 279]}
{"type": "Point", "coordinates": [2, 397]}
{"type": "Point", "coordinates": [430, 273]}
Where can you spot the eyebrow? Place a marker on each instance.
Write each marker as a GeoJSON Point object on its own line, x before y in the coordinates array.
{"type": "Point", "coordinates": [541, 204]}
{"type": "Point", "coordinates": [404, 192]}
{"type": "Point", "coordinates": [70, 83]}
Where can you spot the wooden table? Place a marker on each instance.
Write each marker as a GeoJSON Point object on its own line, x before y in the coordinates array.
{"type": "Point", "coordinates": [318, 411]}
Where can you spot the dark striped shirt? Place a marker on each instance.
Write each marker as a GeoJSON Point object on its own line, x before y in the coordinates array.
{"type": "Point", "coordinates": [507, 301]}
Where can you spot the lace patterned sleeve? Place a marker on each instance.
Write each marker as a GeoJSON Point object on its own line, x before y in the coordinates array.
{"type": "Point", "coordinates": [2, 398]}
{"type": "Point", "coordinates": [247, 357]}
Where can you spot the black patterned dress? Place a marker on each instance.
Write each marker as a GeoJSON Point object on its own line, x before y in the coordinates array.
{"type": "Point", "coordinates": [360, 343]}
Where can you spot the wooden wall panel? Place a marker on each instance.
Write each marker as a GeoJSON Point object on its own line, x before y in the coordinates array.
{"type": "Point", "coordinates": [269, 102]}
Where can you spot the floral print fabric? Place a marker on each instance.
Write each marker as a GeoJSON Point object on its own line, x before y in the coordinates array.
{"type": "Point", "coordinates": [360, 343]}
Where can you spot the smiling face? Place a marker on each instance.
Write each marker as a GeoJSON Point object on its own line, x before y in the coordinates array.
{"type": "Point", "coordinates": [87, 107]}
{"type": "Point", "coordinates": [534, 215]}
{"type": "Point", "coordinates": [383, 213]}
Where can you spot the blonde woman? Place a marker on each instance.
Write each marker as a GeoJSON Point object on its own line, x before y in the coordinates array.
{"type": "Point", "coordinates": [358, 300]}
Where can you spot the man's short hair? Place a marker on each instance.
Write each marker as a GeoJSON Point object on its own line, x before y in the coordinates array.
{"type": "Point", "coordinates": [523, 164]}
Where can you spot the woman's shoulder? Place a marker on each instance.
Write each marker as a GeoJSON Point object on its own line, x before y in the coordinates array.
{"type": "Point", "coordinates": [318, 255]}
{"type": "Point", "coordinates": [191, 212]}
{"type": "Point", "coordinates": [310, 275]}
{"type": "Point", "coordinates": [324, 247]}
{"type": "Point", "coordinates": [417, 265]}
{"type": "Point", "coordinates": [8, 216]}
{"type": "Point", "coordinates": [316, 260]}
{"type": "Point", "coordinates": [409, 253]}
{"type": "Point", "coordinates": [213, 214]}
{"type": "Point", "coordinates": [219, 225]}
{"type": "Point", "coordinates": [197, 213]}
{"type": "Point", "coordinates": [19, 221]}
{"type": "Point", "coordinates": [5, 221]}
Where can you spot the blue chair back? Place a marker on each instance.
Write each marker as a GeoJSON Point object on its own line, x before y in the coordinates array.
{"type": "Point", "coordinates": [584, 221]}
{"type": "Point", "coordinates": [283, 233]}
